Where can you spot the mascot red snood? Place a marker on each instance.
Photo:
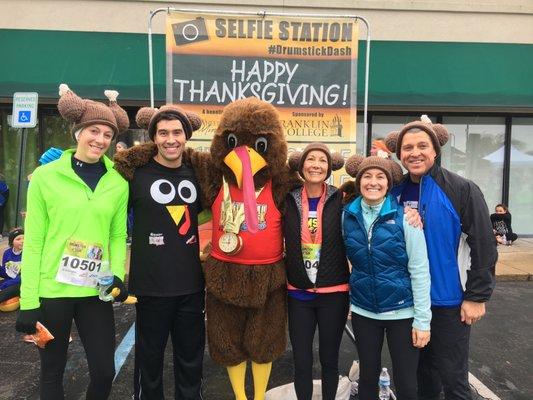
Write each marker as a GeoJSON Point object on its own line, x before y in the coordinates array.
{"type": "Point", "coordinates": [244, 179]}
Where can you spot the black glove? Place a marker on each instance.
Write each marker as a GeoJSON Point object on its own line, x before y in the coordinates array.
{"type": "Point", "coordinates": [27, 319]}
{"type": "Point", "coordinates": [117, 283]}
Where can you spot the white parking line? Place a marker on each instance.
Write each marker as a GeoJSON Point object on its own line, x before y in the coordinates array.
{"type": "Point", "coordinates": [481, 389]}
{"type": "Point", "coordinates": [123, 349]}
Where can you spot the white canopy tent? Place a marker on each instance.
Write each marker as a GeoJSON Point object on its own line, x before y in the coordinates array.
{"type": "Point", "coordinates": [517, 156]}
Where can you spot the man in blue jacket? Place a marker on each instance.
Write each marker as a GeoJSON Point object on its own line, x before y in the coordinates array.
{"type": "Point", "coordinates": [461, 250]}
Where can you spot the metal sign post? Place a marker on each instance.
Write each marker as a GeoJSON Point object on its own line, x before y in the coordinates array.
{"type": "Point", "coordinates": [24, 116]}
{"type": "Point", "coordinates": [22, 159]}
{"type": "Point", "coordinates": [263, 14]}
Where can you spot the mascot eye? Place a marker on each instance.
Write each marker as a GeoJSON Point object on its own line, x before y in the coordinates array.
{"type": "Point", "coordinates": [261, 145]}
{"type": "Point", "coordinates": [232, 141]}
{"type": "Point", "coordinates": [162, 191]}
{"type": "Point", "coordinates": [187, 192]}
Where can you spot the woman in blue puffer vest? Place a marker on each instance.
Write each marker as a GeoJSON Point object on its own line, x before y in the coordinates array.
{"type": "Point", "coordinates": [389, 282]}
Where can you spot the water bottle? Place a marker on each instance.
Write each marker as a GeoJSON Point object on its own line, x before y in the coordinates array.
{"type": "Point", "coordinates": [384, 385]}
{"type": "Point", "coordinates": [104, 282]}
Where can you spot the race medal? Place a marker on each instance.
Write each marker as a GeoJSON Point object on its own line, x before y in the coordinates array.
{"type": "Point", "coordinates": [232, 216]}
{"type": "Point", "coordinates": [230, 243]}
{"type": "Point", "coordinates": [81, 263]}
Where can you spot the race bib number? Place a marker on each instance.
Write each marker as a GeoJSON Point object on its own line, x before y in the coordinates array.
{"type": "Point", "coordinates": [311, 256]}
{"type": "Point", "coordinates": [81, 264]}
{"type": "Point", "coordinates": [12, 269]}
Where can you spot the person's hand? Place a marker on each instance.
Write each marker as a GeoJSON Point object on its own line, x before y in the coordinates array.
{"type": "Point", "coordinates": [472, 311]}
{"type": "Point", "coordinates": [27, 319]}
{"type": "Point", "coordinates": [118, 290]}
{"type": "Point", "coordinates": [413, 217]}
{"type": "Point", "coordinates": [420, 338]}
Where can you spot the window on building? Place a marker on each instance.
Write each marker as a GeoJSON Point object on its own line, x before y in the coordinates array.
{"type": "Point", "coordinates": [10, 156]}
{"type": "Point", "coordinates": [521, 173]}
{"type": "Point", "coordinates": [475, 151]}
{"type": "Point", "coordinates": [56, 132]}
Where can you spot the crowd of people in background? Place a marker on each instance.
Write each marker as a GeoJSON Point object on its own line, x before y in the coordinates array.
{"type": "Point", "coordinates": [386, 251]}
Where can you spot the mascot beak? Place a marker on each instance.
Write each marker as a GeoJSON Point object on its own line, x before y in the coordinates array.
{"type": "Point", "coordinates": [245, 162]}
{"type": "Point", "coordinates": [234, 160]}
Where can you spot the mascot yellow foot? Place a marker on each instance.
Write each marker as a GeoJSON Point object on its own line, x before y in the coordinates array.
{"type": "Point", "coordinates": [237, 373]}
{"type": "Point", "coordinates": [261, 374]}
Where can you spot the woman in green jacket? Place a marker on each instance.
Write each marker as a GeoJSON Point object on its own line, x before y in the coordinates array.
{"type": "Point", "coordinates": [75, 234]}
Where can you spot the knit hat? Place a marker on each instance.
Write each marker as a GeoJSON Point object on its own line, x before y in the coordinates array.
{"type": "Point", "coordinates": [438, 134]}
{"type": "Point", "coordinates": [356, 165]}
{"type": "Point", "coordinates": [297, 158]}
{"type": "Point", "coordinates": [50, 155]}
{"type": "Point", "coordinates": [124, 145]}
{"type": "Point", "coordinates": [147, 118]}
{"type": "Point", "coordinates": [83, 112]}
{"type": "Point", "coordinates": [13, 235]}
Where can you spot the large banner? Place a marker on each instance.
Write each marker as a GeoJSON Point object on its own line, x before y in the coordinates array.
{"type": "Point", "coordinates": [305, 67]}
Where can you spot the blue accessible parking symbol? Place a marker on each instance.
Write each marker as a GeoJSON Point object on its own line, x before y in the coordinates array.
{"type": "Point", "coordinates": [24, 116]}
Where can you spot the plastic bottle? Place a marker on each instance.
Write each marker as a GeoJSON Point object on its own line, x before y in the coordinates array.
{"type": "Point", "coordinates": [384, 385]}
{"type": "Point", "coordinates": [104, 282]}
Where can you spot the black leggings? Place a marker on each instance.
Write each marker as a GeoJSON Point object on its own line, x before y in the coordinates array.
{"type": "Point", "coordinates": [329, 311]}
{"type": "Point", "coordinates": [96, 326]}
{"type": "Point", "coordinates": [10, 292]}
{"type": "Point", "coordinates": [369, 334]}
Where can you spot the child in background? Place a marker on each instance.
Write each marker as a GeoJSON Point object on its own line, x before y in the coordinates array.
{"type": "Point", "coordinates": [501, 225]}
{"type": "Point", "coordinates": [10, 267]}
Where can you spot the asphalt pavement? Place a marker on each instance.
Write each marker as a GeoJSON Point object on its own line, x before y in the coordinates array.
{"type": "Point", "coordinates": [500, 357]}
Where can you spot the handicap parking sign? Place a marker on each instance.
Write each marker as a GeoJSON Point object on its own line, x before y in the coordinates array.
{"type": "Point", "coordinates": [24, 110]}
{"type": "Point", "coordinates": [24, 116]}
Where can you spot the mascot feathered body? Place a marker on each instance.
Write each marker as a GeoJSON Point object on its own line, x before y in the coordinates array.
{"type": "Point", "coordinates": [244, 180]}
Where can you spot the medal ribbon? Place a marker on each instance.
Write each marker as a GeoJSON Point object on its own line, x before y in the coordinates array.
{"type": "Point", "coordinates": [233, 217]}
{"type": "Point", "coordinates": [307, 237]}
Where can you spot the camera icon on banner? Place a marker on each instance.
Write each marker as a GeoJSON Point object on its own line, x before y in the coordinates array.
{"type": "Point", "coordinates": [190, 31]}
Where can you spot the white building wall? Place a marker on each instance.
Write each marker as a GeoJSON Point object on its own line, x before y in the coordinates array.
{"type": "Point", "coordinates": [492, 21]}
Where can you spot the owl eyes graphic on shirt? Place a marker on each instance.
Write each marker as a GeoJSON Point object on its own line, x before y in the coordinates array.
{"type": "Point", "coordinates": [164, 192]}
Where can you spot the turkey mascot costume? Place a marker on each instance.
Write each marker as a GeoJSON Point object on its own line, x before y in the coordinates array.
{"type": "Point", "coordinates": [244, 180]}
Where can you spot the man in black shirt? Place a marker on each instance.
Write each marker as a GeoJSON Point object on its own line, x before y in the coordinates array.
{"type": "Point", "coordinates": [165, 270]}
